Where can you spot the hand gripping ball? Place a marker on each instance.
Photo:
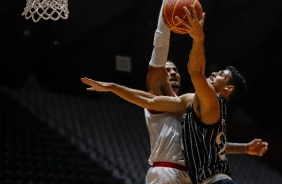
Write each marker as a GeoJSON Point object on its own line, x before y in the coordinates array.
{"type": "Point", "coordinates": [172, 8]}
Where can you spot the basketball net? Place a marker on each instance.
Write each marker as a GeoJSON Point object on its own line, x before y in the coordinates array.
{"type": "Point", "coordinates": [46, 9]}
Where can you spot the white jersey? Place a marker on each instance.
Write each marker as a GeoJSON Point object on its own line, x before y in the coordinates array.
{"type": "Point", "coordinates": [165, 130]}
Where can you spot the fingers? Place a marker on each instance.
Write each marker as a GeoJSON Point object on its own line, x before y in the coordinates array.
{"type": "Point", "coordinates": [258, 147]}
{"type": "Point", "coordinates": [88, 82]}
{"type": "Point", "coordinates": [194, 14]}
{"type": "Point", "coordinates": [94, 85]}
{"type": "Point", "coordinates": [202, 21]}
{"type": "Point", "coordinates": [191, 17]}
{"type": "Point", "coordinates": [194, 3]}
{"type": "Point", "coordinates": [90, 89]}
{"type": "Point", "coordinates": [182, 22]}
{"type": "Point", "coordinates": [84, 79]}
{"type": "Point", "coordinates": [188, 14]}
{"type": "Point", "coordinates": [264, 148]}
{"type": "Point", "coordinates": [183, 29]}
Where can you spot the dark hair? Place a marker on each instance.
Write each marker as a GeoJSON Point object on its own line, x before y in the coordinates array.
{"type": "Point", "coordinates": [238, 81]}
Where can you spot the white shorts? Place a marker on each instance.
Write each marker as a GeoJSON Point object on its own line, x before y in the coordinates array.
{"type": "Point", "coordinates": [166, 175]}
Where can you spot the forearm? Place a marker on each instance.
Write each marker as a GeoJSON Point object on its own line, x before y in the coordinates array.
{"type": "Point", "coordinates": [149, 101]}
{"type": "Point", "coordinates": [197, 60]}
{"type": "Point", "coordinates": [137, 97]}
{"type": "Point", "coordinates": [161, 43]}
{"type": "Point", "coordinates": [236, 148]}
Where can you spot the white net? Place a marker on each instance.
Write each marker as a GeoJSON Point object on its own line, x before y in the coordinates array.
{"type": "Point", "coordinates": [46, 9]}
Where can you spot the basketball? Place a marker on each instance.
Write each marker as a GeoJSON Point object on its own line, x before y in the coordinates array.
{"type": "Point", "coordinates": [174, 8]}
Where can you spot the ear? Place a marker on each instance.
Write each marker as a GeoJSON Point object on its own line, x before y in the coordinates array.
{"type": "Point", "coordinates": [229, 88]}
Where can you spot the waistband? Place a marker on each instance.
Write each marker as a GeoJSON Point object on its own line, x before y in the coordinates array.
{"type": "Point", "coordinates": [171, 165]}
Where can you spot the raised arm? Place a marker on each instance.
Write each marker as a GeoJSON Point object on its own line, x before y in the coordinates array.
{"type": "Point", "coordinates": [205, 102]}
{"type": "Point", "coordinates": [157, 77]}
{"type": "Point", "coordinates": [256, 147]}
{"type": "Point", "coordinates": [141, 98]}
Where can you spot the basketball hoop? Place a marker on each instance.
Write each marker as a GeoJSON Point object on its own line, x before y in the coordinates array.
{"type": "Point", "coordinates": [46, 9]}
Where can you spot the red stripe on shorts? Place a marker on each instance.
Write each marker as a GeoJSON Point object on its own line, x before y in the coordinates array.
{"type": "Point", "coordinates": [171, 165]}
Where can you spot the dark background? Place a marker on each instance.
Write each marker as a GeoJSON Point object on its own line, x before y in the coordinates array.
{"type": "Point", "coordinates": [55, 54]}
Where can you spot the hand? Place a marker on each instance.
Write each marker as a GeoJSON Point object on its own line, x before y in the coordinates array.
{"type": "Point", "coordinates": [96, 85]}
{"type": "Point", "coordinates": [193, 26]}
{"type": "Point", "coordinates": [257, 147]}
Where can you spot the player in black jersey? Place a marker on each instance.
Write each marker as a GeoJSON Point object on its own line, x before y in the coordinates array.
{"type": "Point", "coordinates": [204, 131]}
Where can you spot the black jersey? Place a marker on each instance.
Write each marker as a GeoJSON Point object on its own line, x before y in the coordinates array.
{"type": "Point", "coordinates": [204, 145]}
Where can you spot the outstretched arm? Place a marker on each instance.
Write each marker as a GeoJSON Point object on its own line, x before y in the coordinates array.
{"type": "Point", "coordinates": [256, 147]}
{"type": "Point", "coordinates": [141, 98]}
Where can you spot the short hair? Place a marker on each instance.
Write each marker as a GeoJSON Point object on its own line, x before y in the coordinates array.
{"type": "Point", "coordinates": [238, 81]}
{"type": "Point", "coordinates": [170, 61]}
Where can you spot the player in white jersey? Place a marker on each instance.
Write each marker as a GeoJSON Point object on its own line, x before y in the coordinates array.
{"type": "Point", "coordinates": [164, 128]}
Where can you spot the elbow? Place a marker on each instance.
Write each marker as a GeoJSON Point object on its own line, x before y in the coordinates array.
{"type": "Point", "coordinates": [153, 105]}
{"type": "Point", "coordinates": [150, 104]}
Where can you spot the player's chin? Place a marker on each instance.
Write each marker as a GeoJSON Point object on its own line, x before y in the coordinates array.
{"type": "Point", "coordinates": [175, 85]}
{"type": "Point", "coordinates": [209, 80]}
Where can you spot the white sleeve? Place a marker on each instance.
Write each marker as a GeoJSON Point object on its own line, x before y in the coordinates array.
{"type": "Point", "coordinates": [161, 43]}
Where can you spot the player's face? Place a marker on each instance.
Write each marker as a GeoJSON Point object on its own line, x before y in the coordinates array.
{"type": "Point", "coordinates": [174, 77]}
{"type": "Point", "coordinates": [219, 79]}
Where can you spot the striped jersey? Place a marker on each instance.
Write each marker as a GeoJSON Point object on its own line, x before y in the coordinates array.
{"type": "Point", "coordinates": [204, 145]}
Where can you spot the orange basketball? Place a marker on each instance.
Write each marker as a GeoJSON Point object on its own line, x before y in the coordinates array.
{"type": "Point", "coordinates": [174, 8]}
